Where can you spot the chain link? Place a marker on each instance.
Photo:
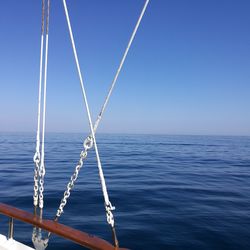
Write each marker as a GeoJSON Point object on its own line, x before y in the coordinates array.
{"type": "Point", "coordinates": [36, 160]}
{"type": "Point", "coordinates": [110, 217]}
{"type": "Point", "coordinates": [88, 144]}
{"type": "Point", "coordinates": [41, 184]}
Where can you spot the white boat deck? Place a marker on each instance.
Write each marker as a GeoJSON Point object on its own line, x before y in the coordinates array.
{"type": "Point", "coordinates": [12, 244]}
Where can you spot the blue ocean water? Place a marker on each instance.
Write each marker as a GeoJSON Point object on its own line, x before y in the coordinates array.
{"type": "Point", "coordinates": [170, 192]}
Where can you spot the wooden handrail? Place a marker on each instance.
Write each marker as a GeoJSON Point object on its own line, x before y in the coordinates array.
{"type": "Point", "coordinates": [79, 237]}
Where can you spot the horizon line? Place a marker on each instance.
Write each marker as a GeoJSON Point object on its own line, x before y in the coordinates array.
{"type": "Point", "coordinates": [132, 133]}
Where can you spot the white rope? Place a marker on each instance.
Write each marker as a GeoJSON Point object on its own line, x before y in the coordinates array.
{"type": "Point", "coordinates": [39, 98]}
{"type": "Point", "coordinates": [120, 65]}
{"type": "Point", "coordinates": [42, 166]}
{"type": "Point", "coordinates": [103, 184]}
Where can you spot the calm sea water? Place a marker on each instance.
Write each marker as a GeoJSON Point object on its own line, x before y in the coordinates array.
{"type": "Point", "coordinates": [170, 192]}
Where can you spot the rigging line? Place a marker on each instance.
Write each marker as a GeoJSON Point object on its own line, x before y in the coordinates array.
{"type": "Point", "coordinates": [88, 142]}
{"type": "Point", "coordinates": [86, 104]}
{"type": "Point", "coordinates": [103, 184]}
{"type": "Point", "coordinates": [42, 166]}
{"type": "Point", "coordinates": [120, 65]}
{"type": "Point", "coordinates": [37, 153]}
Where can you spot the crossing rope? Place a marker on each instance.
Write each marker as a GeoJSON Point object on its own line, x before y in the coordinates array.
{"type": "Point", "coordinates": [88, 140]}
{"type": "Point", "coordinates": [91, 138]}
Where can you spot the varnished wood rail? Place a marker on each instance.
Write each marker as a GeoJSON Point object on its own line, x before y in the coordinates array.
{"type": "Point", "coordinates": [79, 237]}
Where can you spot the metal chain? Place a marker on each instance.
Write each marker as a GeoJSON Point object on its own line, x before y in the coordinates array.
{"type": "Point", "coordinates": [110, 217]}
{"type": "Point", "coordinates": [36, 170]}
{"type": "Point", "coordinates": [88, 144]}
{"type": "Point", "coordinates": [41, 184]}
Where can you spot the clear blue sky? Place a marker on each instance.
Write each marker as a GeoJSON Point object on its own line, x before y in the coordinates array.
{"type": "Point", "coordinates": [188, 71]}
